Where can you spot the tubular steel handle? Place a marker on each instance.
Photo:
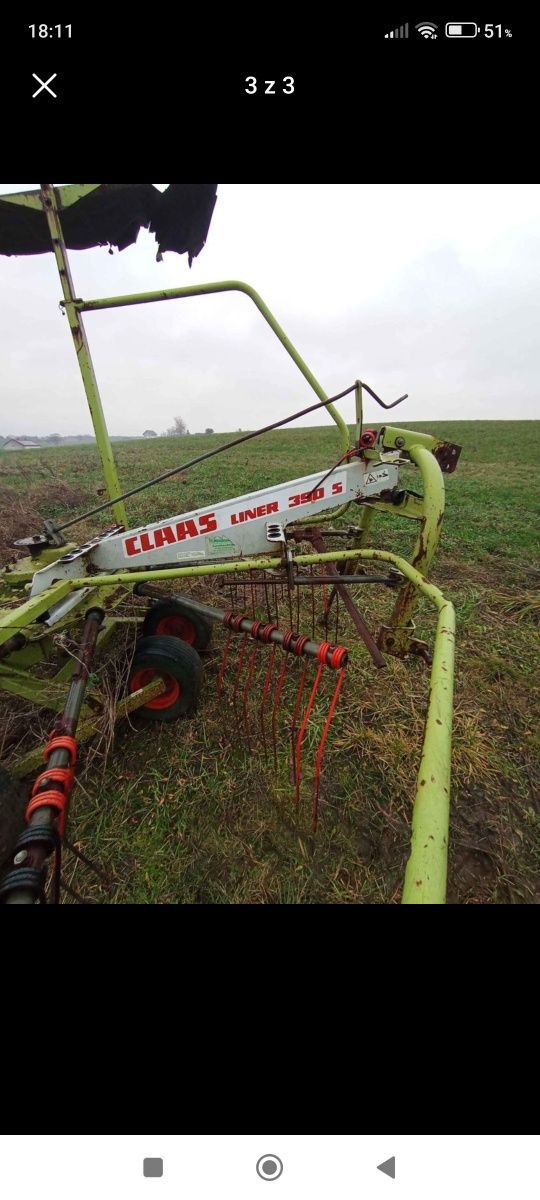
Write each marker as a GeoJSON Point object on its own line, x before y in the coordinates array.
{"type": "Point", "coordinates": [378, 398]}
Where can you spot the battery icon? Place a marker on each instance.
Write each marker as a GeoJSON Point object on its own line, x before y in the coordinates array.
{"type": "Point", "coordinates": [462, 29]}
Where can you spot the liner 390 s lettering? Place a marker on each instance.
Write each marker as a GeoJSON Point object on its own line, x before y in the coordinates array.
{"type": "Point", "coordinates": [191, 527]}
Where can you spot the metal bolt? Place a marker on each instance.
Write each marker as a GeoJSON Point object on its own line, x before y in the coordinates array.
{"type": "Point", "coordinates": [20, 857]}
{"type": "Point", "coordinates": [400, 442]}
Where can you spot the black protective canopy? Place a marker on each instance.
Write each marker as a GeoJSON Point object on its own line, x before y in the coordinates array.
{"type": "Point", "coordinates": [112, 215]}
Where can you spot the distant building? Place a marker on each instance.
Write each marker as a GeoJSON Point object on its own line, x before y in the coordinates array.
{"type": "Point", "coordinates": [21, 444]}
{"type": "Point", "coordinates": [149, 433]}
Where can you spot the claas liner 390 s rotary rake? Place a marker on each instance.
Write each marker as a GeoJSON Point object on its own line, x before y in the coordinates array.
{"type": "Point", "coordinates": [270, 548]}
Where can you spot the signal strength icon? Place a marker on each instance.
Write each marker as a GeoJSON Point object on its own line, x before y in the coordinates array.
{"type": "Point", "coordinates": [403, 31]}
{"type": "Point", "coordinates": [426, 29]}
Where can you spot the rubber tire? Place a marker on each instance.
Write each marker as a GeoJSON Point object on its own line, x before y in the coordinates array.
{"type": "Point", "coordinates": [170, 608]}
{"type": "Point", "coordinates": [12, 810]}
{"type": "Point", "coordinates": [173, 657]}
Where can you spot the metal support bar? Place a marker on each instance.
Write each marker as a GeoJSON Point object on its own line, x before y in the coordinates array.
{"type": "Point", "coordinates": [345, 580]}
{"type": "Point", "coordinates": [425, 873]}
{"type": "Point", "coordinates": [130, 578]}
{"type": "Point", "coordinates": [82, 350]}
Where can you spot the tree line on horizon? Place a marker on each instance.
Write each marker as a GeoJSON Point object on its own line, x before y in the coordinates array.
{"type": "Point", "coordinates": [177, 429]}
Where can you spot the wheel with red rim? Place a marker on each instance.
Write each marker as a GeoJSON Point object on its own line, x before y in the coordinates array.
{"type": "Point", "coordinates": [178, 665]}
{"type": "Point", "coordinates": [175, 619]}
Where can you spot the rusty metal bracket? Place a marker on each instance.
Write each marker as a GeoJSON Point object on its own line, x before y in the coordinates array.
{"type": "Point", "coordinates": [315, 536]}
{"type": "Point", "coordinates": [398, 641]}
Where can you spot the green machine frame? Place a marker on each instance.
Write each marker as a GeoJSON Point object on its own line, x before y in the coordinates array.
{"type": "Point", "coordinates": [426, 870]}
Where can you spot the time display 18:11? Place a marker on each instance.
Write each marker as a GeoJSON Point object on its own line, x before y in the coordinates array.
{"type": "Point", "coordinates": [44, 31]}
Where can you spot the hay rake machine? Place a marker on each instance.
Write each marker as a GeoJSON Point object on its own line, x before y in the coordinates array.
{"type": "Point", "coordinates": [279, 553]}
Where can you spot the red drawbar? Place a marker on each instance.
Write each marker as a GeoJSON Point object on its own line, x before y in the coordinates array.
{"type": "Point", "coordinates": [178, 626]}
{"type": "Point", "coordinates": [165, 699]}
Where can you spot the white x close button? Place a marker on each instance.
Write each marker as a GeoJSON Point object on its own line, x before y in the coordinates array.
{"type": "Point", "coordinates": [44, 86]}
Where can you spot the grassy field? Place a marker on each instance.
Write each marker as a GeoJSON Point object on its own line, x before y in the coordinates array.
{"type": "Point", "coordinates": [187, 814]}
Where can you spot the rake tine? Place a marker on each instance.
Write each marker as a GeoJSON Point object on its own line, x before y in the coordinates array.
{"type": "Point", "coordinates": [298, 702]}
{"type": "Point", "coordinates": [252, 595]}
{"type": "Point", "coordinates": [106, 879]}
{"type": "Point", "coordinates": [298, 747]}
{"type": "Point", "coordinates": [266, 600]}
{"type": "Point", "coordinates": [249, 674]}
{"type": "Point", "coordinates": [266, 686]}
{"type": "Point", "coordinates": [312, 605]}
{"type": "Point", "coordinates": [277, 697]}
{"type": "Point", "coordinates": [241, 656]}
{"type": "Point", "coordinates": [276, 604]}
{"type": "Point", "coordinates": [320, 751]}
{"type": "Point", "coordinates": [223, 664]}
{"type": "Point", "coordinates": [326, 608]}
{"type": "Point", "coordinates": [289, 598]}
{"type": "Point", "coordinates": [337, 618]}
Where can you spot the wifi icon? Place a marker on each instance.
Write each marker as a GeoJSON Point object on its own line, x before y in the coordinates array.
{"type": "Point", "coordinates": [426, 29]}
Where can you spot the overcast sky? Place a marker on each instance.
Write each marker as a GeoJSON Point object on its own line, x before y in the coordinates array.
{"type": "Point", "coordinates": [430, 289]}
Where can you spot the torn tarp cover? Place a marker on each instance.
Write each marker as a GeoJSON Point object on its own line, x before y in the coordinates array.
{"type": "Point", "coordinates": [112, 215]}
